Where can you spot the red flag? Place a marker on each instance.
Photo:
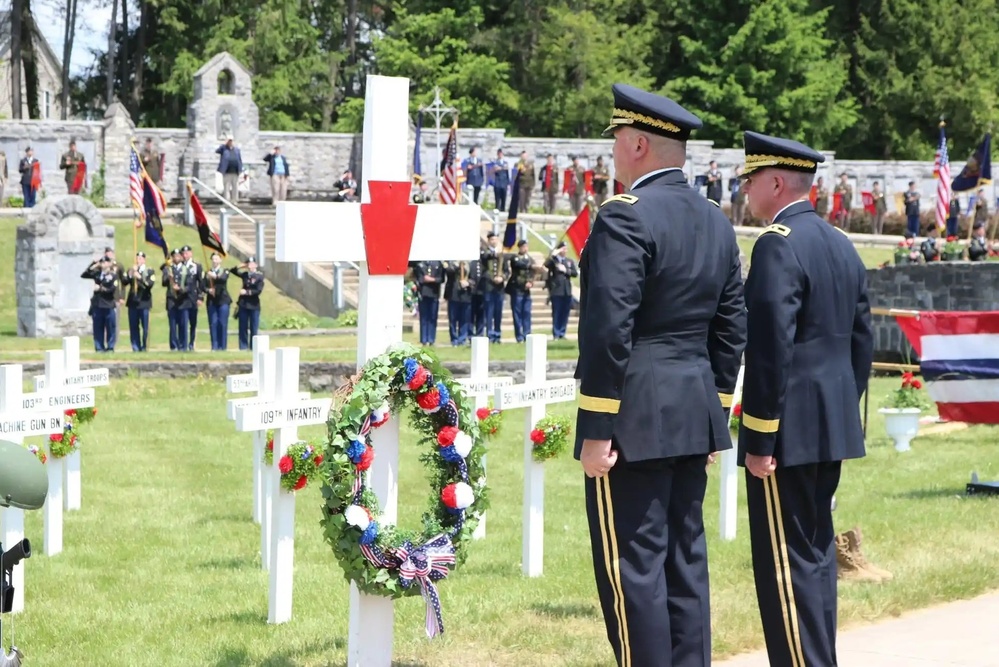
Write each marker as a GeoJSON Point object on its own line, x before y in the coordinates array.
{"type": "Point", "coordinates": [618, 187]}
{"type": "Point", "coordinates": [837, 204]}
{"type": "Point", "coordinates": [588, 181]}
{"type": "Point", "coordinates": [868, 200]}
{"type": "Point", "coordinates": [579, 230]}
{"type": "Point", "coordinates": [813, 195]}
{"type": "Point", "coordinates": [80, 179]}
{"type": "Point", "coordinates": [36, 175]}
{"type": "Point", "coordinates": [569, 181]}
{"type": "Point", "coordinates": [209, 239]}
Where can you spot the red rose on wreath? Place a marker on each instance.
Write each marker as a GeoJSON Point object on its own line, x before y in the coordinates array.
{"type": "Point", "coordinates": [916, 384]}
{"type": "Point", "coordinates": [482, 413]}
{"type": "Point", "coordinates": [55, 437]}
{"type": "Point", "coordinates": [319, 460]}
{"type": "Point", "coordinates": [302, 481]}
{"type": "Point", "coordinates": [419, 378]}
{"type": "Point", "coordinates": [446, 436]}
{"type": "Point", "coordinates": [285, 464]}
{"type": "Point", "coordinates": [537, 436]}
{"type": "Point", "coordinates": [70, 413]}
{"type": "Point", "coordinates": [737, 410]}
{"type": "Point", "coordinates": [429, 400]}
{"type": "Point", "coordinates": [366, 458]}
{"type": "Point", "coordinates": [270, 445]}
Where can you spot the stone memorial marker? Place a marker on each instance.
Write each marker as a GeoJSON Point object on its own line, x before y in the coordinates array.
{"type": "Point", "coordinates": [383, 233]}
{"type": "Point", "coordinates": [535, 394]}
{"type": "Point", "coordinates": [480, 386]}
{"type": "Point", "coordinates": [285, 413]}
{"type": "Point", "coordinates": [62, 236]}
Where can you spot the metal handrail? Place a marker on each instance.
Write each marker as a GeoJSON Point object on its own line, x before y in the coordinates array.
{"type": "Point", "coordinates": [212, 192]}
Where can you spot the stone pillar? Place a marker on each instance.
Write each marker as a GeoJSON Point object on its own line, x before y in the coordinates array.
{"type": "Point", "coordinates": [62, 236]}
{"type": "Point", "coordinates": [119, 132]}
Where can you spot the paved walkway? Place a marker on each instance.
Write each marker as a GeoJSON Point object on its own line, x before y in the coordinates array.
{"type": "Point", "coordinates": [958, 634]}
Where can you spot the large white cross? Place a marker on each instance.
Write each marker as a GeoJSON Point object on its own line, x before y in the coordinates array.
{"type": "Point", "coordinates": [535, 394]}
{"type": "Point", "coordinates": [321, 232]}
{"type": "Point", "coordinates": [285, 413]}
{"type": "Point", "coordinates": [15, 423]}
{"type": "Point", "coordinates": [482, 387]}
{"type": "Point", "coordinates": [730, 475]}
{"type": "Point", "coordinates": [241, 384]}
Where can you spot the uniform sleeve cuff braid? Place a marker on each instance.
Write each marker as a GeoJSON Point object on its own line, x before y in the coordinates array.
{"type": "Point", "coordinates": [726, 399]}
{"type": "Point", "coordinates": [596, 404]}
{"type": "Point", "coordinates": [760, 425]}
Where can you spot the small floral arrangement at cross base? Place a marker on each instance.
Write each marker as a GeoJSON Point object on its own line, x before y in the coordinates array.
{"type": "Point", "coordinates": [490, 420]}
{"type": "Point", "coordinates": [953, 246]}
{"type": "Point", "coordinates": [38, 452]}
{"type": "Point", "coordinates": [82, 415]}
{"type": "Point", "coordinates": [269, 449]}
{"type": "Point", "coordinates": [299, 466]}
{"type": "Point", "coordinates": [733, 420]}
{"type": "Point", "coordinates": [65, 443]}
{"type": "Point", "coordinates": [550, 437]}
{"type": "Point", "coordinates": [908, 395]}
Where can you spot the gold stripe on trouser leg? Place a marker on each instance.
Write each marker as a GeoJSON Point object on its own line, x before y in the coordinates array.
{"type": "Point", "coordinates": [793, 615]}
{"type": "Point", "coordinates": [783, 585]}
{"type": "Point", "coordinates": [611, 561]}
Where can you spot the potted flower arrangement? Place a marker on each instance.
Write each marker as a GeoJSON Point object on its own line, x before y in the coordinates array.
{"type": "Point", "coordinates": [550, 437]}
{"type": "Point", "coordinates": [904, 252]}
{"type": "Point", "coordinates": [953, 250]}
{"type": "Point", "coordinates": [901, 409]}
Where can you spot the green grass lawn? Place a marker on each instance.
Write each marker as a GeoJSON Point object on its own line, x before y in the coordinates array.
{"type": "Point", "coordinates": [160, 566]}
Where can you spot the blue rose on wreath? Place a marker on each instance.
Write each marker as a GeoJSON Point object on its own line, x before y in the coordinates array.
{"type": "Point", "coordinates": [377, 556]}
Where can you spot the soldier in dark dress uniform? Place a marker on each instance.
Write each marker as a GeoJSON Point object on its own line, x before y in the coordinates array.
{"type": "Point", "coordinates": [459, 294]}
{"type": "Point", "coordinates": [808, 359]}
{"type": "Point", "coordinates": [106, 291]}
{"type": "Point", "coordinates": [478, 298]}
{"type": "Point", "coordinates": [978, 249]}
{"type": "Point", "coordinates": [199, 273]}
{"type": "Point", "coordinates": [186, 290]}
{"type": "Point", "coordinates": [929, 248]}
{"type": "Point", "coordinates": [217, 295]}
{"type": "Point", "coordinates": [561, 270]}
{"type": "Point", "coordinates": [429, 278]}
{"type": "Point", "coordinates": [171, 295]}
{"type": "Point", "coordinates": [141, 279]}
{"type": "Point", "coordinates": [493, 282]}
{"type": "Point", "coordinates": [661, 334]}
{"type": "Point", "coordinates": [248, 303]}
{"type": "Point", "coordinates": [519, 288]}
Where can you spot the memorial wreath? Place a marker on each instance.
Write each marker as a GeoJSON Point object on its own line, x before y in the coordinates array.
{"type": "Point", "coordinates": [550, 437]}
{"type": "Point", "coordinates": [65, 443]}
{"type": "Point", "coordinates": [378, 557]}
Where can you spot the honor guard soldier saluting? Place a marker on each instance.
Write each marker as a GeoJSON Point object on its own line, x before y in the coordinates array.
{"type": "Point", "coordinates": [661, 334]}
{"type": "Point", "coordinates": [429, 278]}
{"type": "Point", "coordinates": [808, 359]}
{"type": "Point", "coordinates": [141, 279]}
{"type": "Point", "coordinates": [519, 288]}
{"type": "Point", "coordinates": [561, 271]}
{"type": "Point", "coordinates": [199, 273]}
{"type": "Point", "coordinates": [106, 291]}
{"type": "Point", "coordinates": [186, 291]}
{"type": "Point", "coordinates": [494, 276]}
{"type": "Point", "coordinates": [459, 288]}
{"type": "Point", "coordinates": [217, 293]}
{"type": "Point", "coordinates": [248, 303]}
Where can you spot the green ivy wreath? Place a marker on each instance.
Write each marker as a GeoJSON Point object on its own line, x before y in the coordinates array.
{"type": "Point", "coordinates": [378, 557]}
{"type": "Point", "coordinates": [63, 444]}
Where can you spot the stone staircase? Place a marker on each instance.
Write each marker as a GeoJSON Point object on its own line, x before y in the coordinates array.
{"type": "Point", "coordinates": [315, 287]}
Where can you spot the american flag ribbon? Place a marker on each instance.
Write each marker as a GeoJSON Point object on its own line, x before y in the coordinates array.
{"type": "Point", "coordinates": [425, 565]}
{"type": "Point", "coordinates": [135, 173]}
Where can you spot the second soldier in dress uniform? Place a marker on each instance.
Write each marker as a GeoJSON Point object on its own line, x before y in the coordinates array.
{"type": "Point", "coordinates": [140, 279]}
{"type": "Point", "coordinates": [429, 277]}
{"type": "Point", "coordinates": [561, 271]}
{"type": "Point", "coordinates": [808, 360]}
{"type": "Point", "coordinates": [248, 303]}
{"type": "Point", "coordinates": [519, 288]}
{"type": "Point", "coordinates": [106, 292]}
{"type": "Point", "coordinates": [186, 291]}
{"type": "Point", "coordinates": [199, 273]}
{"type": "Point", "coordinates": [171, 295]}
{"type": "Point", "coordinates": [493, 281]}
{"type": "Point", "coordinates": [661, 333]}
{"type": "Point", "coordinates": [216, 289]}
{"type": "Point", "coordinates": [459, 293]}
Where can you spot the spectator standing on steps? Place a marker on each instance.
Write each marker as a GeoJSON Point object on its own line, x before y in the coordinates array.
{"type": "Point", "coordinates": [230, 166]}
{"type": "Point", "coordinates": [278, 171]}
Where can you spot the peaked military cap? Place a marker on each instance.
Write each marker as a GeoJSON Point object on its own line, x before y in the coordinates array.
{"type": "Point", "coordinates": [175, 251]}
{"type": "Point", "coordinates": [186, 248]}
{"type": "Point", "coordinates": [650, 112]}
{"type": "Point", "coordinates": [140, 254]}
{"type": "Point", "coordinates": [763, 151]}
{"type": "Point", "coordinates": [251, 258]}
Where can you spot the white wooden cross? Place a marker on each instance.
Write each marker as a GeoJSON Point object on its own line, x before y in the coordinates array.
{"type": "Point", "coordinates": [15, 424]}
{"type": "Point", "coordinates": [241, 384]}
{"type": "Point", "coordinates": [535, 394]}
{"type": "Point", "coordinates": [284, 414]}
{"type": "Point", "coordinates": [730, 475]}
{"type": "Point", "coordinates": [482, 387]}
{"type": "Point", "coordinates": [383, 233]}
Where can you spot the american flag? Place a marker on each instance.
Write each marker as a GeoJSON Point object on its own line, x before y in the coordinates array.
{"type": "Point", "coordinates": [449, 176]}
{"type": "Point", "coordinates": [135, 175]}
{"type": "Point", "coordinates": [941, 171]}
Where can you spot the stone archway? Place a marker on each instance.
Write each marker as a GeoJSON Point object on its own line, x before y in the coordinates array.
{"type": "Point", "coordinates": [62, 236]}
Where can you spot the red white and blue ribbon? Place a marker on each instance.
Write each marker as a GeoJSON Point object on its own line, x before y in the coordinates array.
{"type": "Point", "coordinates": [425, 565]}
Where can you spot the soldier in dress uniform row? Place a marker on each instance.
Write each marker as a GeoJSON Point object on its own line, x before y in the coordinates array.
{"type": "Point", "coordinates": [107, 292]}
{"type": "Point", "coordinates": [216, 289]}
{"type": "Point", "coordinates": [519, 288]}
{"type": "Point", "coordinates": [978, 249]}
{"type": "Point", "coordinates": [661, 334]}
{"type": "Point", "coordinates": [199, 273]}
{"type": "Point", "coordinates": [561, 270]}
{"type": "Point", "coordinates": [140, 280]}
{"type": "Point", "coordinates": [186, 287]}
{"type": "Point", "coordinates": [495, 273]}
{"type": "Point", "coordinates": [248, 303]}
{"type": "Point", "coordinates": [462, 281]}
{"type": "Point", "coordinates": [429, 278]}
{"type": "Point", "coordinates": [808, 360]}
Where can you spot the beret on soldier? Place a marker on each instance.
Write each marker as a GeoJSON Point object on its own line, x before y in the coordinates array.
{"type": "Point", "coordinates": [651, 113]}
{"type": "Point", "coordinates": [763, 151]}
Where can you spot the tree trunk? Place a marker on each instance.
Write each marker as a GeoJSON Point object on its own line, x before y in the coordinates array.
{"type": "Point", "coordinates": [140, 57]}
{"type": "Point", "coordinates": [16, 102]}
{"type": "Point", "coordinates": [67, 53]}
{"type": "Point", "coordinates": [112, 43]}
{"type": "Point", "coordinates": [329, 104]}
{"type": "Point", "coordinates": [29, 57]}
{"type": "Point", "coordinates": [123, 50]}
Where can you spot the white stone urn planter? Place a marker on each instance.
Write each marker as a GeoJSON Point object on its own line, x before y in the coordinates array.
{"type": "Point", "coordinates": [902, 425]}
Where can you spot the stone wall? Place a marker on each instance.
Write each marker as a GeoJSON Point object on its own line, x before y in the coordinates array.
{"type": "Point", "coordinates": [316, 160]}
{"type": "Point", "coordinates": [970, 286]}
{"type": "Point", "coordinates": [49, 139]}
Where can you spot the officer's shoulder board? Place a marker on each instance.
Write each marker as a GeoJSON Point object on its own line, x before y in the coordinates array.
{"type": "Point", "coordinates": [841, 231]}
{"type": "Point", "coordinates": [627, 199]}
{"type": "Point", "coordinates": [714, 202]}
{"type": "Point", "coordinates": [776, 228]}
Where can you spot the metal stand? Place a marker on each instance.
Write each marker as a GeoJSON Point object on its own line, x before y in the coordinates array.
{"type": "Point", "coordinates": [438, 111]}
